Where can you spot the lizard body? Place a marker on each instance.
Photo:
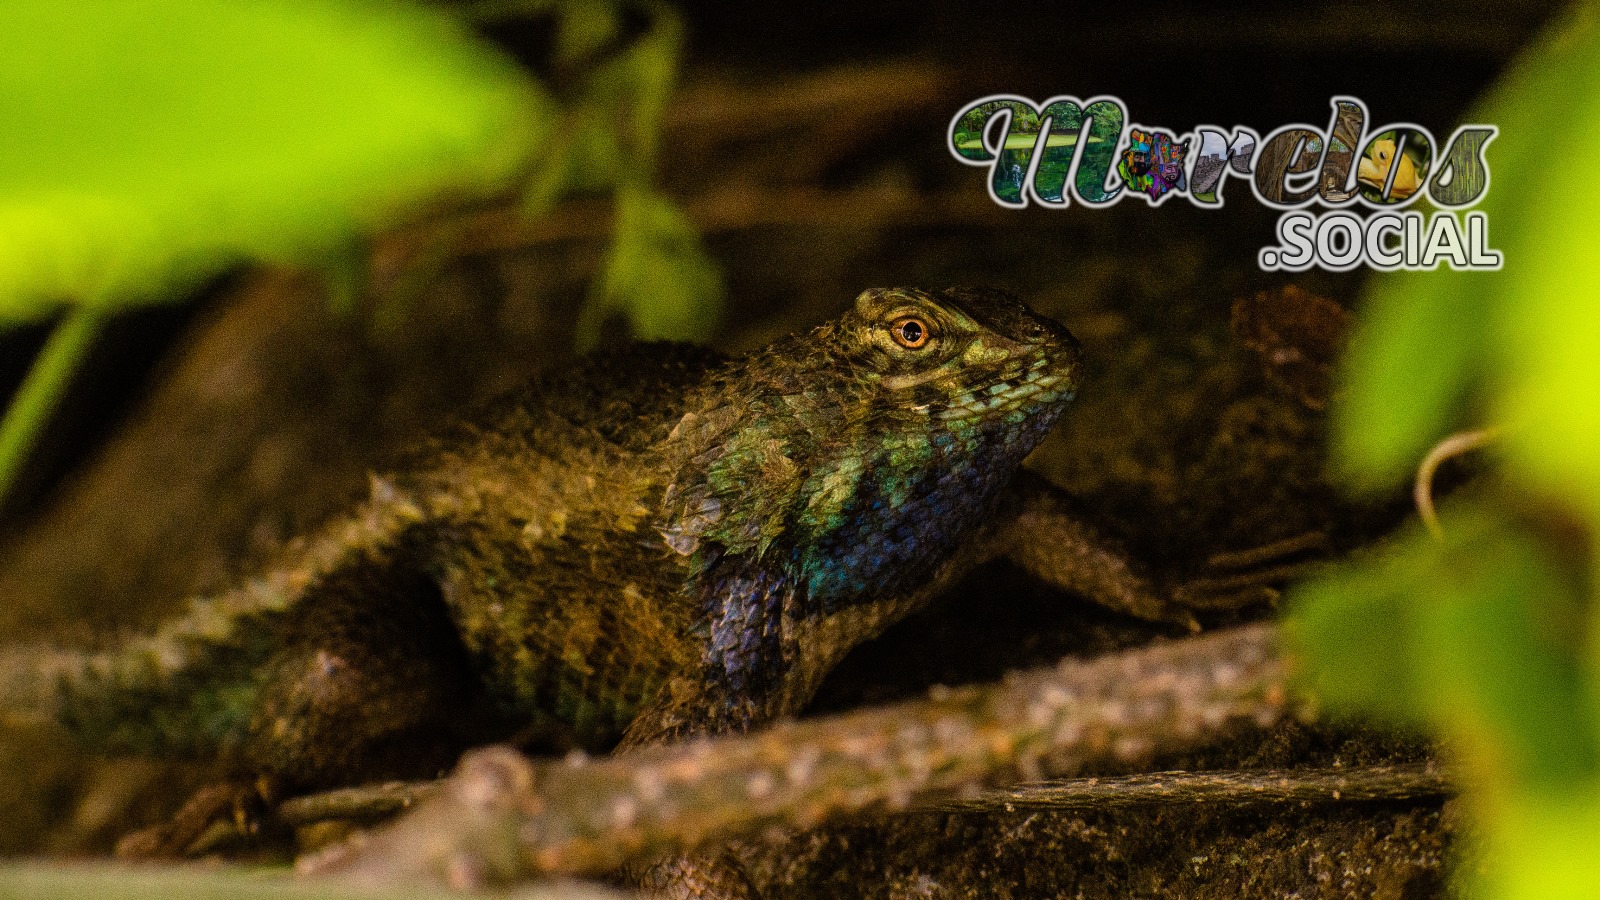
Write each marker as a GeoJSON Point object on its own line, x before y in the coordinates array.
{"type": "Point", "coordinates": [661, 542]}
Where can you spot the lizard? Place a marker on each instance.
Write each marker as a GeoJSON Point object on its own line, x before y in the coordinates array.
{"type": "Point", "coordinates": [659, 542]}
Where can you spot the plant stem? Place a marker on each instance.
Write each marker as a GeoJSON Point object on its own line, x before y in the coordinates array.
{"type": "Point", "coordinates": [41, 390]}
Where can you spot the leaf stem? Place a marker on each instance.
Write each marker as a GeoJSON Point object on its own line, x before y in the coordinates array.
{"type": "Point", "coordinates": [41, 390]}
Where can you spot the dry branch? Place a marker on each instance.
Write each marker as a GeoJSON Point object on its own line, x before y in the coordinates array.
{"type": "Point", "coordinates": [502, 816]}
{"type": "Point", "coordinates": [42, 880]}
{"type": "Point", "coordinates": [1338, 784]}
{"type": "Point", "coordinates": [508, 229]}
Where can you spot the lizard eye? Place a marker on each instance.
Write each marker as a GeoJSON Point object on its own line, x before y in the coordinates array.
{"type": "Point", "coordinates": [910, 332]}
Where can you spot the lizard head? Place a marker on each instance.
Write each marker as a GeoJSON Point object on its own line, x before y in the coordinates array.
{"type": "Point", "coordinates": [938, 398]}
{"type": "Point", "coordinates": [864, 449]}
{"type": "Point", "coordinates": [821, 482]}
{"type": "Point", "coordinates": [962, 354]}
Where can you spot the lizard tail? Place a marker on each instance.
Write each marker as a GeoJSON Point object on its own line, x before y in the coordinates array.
{"type": "Point", "coordinates": [190, 683]}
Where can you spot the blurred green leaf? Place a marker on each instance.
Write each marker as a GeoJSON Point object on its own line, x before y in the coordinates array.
{"type": "Point", "coordinates": [1547, 358]}
{"type": "Point", "coordinates": [1545, 849]}
{"type": "Point", "coordinates": [146, 144]}
{"type": "Point", "coordinates": [1483, 637]}
{"type": "Point", "coordinates": [1521, 342]}
{"type": "Point", "coordinates": [1472, 636]}
{"type": "Point", "coordinates": [610, 133]}
{"type": "Point", "coordinates": [1409, 374]}
{"type": "Point", "coordinates": [583, 28]}
{"type": "Point", "coordinates": [650, 68]}
{"type": "Point", "coordinates": [657, 274]}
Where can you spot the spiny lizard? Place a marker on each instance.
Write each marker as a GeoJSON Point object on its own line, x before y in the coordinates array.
{"type": "Point", "coordinates": [659, 542]}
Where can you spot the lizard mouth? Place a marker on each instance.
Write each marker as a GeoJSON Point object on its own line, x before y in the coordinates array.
{"type": "Point", "coordinates": [1037, 382]}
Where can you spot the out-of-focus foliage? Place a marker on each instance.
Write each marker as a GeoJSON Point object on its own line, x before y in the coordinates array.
{"type": "Point", "coordinates": [656, 273]}
{"type": "Point", "coordinates": [1471, 635]}
{"type": "Point", "coordinates": [1521, 343]}
{"type": "Point", "coordinates": [146, 145]}
{"type": "Point", "coordinates": [1489, 637]}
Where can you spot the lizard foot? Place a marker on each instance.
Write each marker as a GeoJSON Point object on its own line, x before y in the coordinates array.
{"type": "Point", "coordinates": [1234, 580]}
{"type": "Point", "coordinates": [1040, 534]}
{"type": "Point", "coordinates": [213, 815]}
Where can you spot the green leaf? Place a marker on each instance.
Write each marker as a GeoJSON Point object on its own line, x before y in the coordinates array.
{"type": "Point", "coordinates": [653, 67]}
{"type": "Point", "coordinates": [1409, 373]}
{"type": "Point", "coordinates": [608, 136]}
{"type": "Point", "coordinates": [1544, 849]}
{"type": "Point", "coordinates": [1547, 360]}
{"type": "Point", "coordinates": [1481, 637]}
{"type": "Point", "coordinates": [583, 27]}
{"type": "Point", "coordinates": [1523, 340]}
{"type": "Point", "coordinates": [1471, 636]}
{"type": "Point", "coordinates": [147, 144]}
{"type": "Point", "coordinates": [657, 274]}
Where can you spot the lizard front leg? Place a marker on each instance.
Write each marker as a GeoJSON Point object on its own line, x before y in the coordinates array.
{"type": "Point", "coordinates": [689, 707]}
{"type": "Point", "coordinates": [1036, 530]}
{"type": "Point", "coordinates": [744, 679]}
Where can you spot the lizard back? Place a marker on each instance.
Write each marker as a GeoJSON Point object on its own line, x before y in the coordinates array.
{"type": "Point", "coordinates": [504, 510]}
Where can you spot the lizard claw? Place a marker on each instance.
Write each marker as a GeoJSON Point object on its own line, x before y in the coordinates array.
{"type": "Point", "coordinates": [1235, 580]}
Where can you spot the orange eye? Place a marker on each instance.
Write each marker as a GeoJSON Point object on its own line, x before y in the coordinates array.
{"type": "Point", "coordinates": [910, 332]}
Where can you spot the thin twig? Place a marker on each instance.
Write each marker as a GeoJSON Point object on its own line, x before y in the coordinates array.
{"type": "Point", "coordinates": [1449, 448]}
{"type": "Point", "coordinates": [1334, 783]}
{"type": "Point", "coordinates": [506, 229]}
{"type": "Point", "coordinates": [1253, 557]}
{"type": "Point", "coordinates": [371, 801]}
{"type": "Point", "coordinates": [502, 816]}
